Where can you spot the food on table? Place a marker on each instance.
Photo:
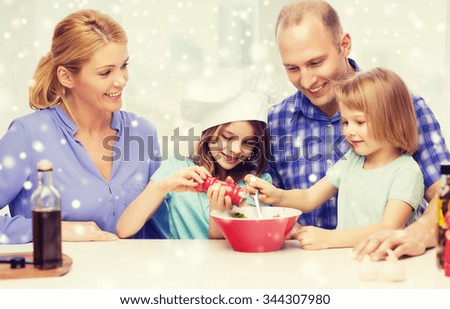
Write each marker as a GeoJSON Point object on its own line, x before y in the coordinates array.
{"type": "Point", "coordinates": [367, 270]}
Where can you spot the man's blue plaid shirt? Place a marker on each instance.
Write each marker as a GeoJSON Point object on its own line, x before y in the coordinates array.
{"type": "Point", "coordinates": [305, 143]}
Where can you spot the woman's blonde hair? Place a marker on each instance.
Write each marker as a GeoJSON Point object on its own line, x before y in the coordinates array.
{"type": "Point", "coordinates": [386, 101]}
{"type": "Point", "coordinates": [256, 165]}
{"type": "Point", "coordinates": [75, 39]}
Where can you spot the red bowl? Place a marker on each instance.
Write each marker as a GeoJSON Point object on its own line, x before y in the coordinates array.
{"type": "Point", "coordinates": [251, 234]}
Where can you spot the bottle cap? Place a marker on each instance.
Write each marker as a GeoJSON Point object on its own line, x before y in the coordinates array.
{"type": "Point", "coordinates": [44, 165]}
{"type": "Point", "coordinates": [445, 168]}
{"type": "Point", "coordinates": [17, 262]}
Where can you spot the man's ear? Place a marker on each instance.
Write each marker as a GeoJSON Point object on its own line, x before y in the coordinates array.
{"type": "Point", "coordinates": [346, 44]}
{"type": "Point", "coordinates": [65, 77]}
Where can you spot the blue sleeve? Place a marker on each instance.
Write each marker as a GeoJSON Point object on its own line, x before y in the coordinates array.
{"type": "Point", "coordinates": [432, 150]}
{"type": "Point", "coordinates": [156, 155]}
{"type": "Point", "coordinates": [276, 179]}
{"type": "Point", "coordinates": [15, 161]}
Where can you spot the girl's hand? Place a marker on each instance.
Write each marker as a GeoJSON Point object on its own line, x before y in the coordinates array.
{"type": "Point", "coordinates": [268, 193]}
{"type": "Point", "coordinates": [84, 231]}
{"type": "Point", "coordinates": [293, 232]}
{"type": "Point", "coordinates": [312, 238]}
{"type": "Point", "coordinates": [217, 198]}
{"type": "Point", "coordinates": [185, 179]}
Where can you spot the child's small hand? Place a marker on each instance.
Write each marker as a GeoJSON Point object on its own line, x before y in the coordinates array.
{"type": "Point", "coordinates": [293, 232]}
{"type": "Point", "coordinates": [268, 193]}
{"type": "Point", "coordinates": [185, 179]}
{"type": "Point", "coordinates": [217, 198]}
{"type": "Point", "coordinates": [312, 238]}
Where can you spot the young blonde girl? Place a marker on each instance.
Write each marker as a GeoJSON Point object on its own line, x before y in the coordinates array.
{"type": "Point", "coordinates": [232, 107]}
{"type": "Point", "coordinates": [379, 183]}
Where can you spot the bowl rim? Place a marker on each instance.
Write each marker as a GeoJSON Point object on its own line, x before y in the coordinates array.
{"type": "Point", "coordinates": [215, 213]}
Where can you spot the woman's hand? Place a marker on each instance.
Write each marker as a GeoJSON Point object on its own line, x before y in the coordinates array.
{"type": "Point", "coordinates": [268, 193]}
{"type": "Point", "coordinates": [84, 231]}
{"type": "Point", "coordinates": [185, 179]}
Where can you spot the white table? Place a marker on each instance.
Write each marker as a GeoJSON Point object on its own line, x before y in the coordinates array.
{"type": "Point", "coordinates": [213, 264]}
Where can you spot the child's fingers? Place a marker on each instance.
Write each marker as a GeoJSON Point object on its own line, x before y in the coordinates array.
{"type": "Point", "coordinates": [194, 175]}
{"type": "Point", "coordinates": [229, 180]}
{"type": "Point", "coordinates": [213, 192]}
{"type": "Point", "coordinates": [251, 183]}
{"type": "Point", "coordinates": [228, 203]}
{"type": "Point", "coordinates": [221, 195]}
{"type": "Point", "coordinates": [251, 180]}
{"type": "Point", "coordinates": [203, 172]}
{"type": "Point", "coordinates": [262, 197]}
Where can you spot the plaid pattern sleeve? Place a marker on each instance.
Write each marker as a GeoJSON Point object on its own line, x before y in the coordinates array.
{"type": "Point", "coordinates": [304, 144]}
{"type": "Point", "coordinates": [432, 150]}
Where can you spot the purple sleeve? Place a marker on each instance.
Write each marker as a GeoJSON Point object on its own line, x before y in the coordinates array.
{"type": "Point", "coordinates": [156, 156]}
{"type": "Point", "coordinates": [15, 152]}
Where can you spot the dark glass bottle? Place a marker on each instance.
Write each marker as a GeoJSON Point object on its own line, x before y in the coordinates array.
{"type": "Point", "coordinates": [443, 244]}
{"type": "Point", "coordinates": [46, 217]}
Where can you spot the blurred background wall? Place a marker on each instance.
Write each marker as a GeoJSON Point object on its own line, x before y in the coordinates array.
{"type": "Point", "coordinates": [173, 41]}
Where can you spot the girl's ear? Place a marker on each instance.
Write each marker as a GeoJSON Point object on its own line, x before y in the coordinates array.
{"type": "Point", "coordinates": [65, 77]}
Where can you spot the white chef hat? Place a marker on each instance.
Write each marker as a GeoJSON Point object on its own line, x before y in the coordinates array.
{"type": "Point", "coordinates": [228, 95]}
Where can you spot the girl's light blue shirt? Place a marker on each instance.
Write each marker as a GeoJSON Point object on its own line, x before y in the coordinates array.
{"type": "Point", "coordinates": [86, 195]}
{"type": "Point", "coordinates": [364, 193]}
{"type": "Point", "coordinates": [188, 211]}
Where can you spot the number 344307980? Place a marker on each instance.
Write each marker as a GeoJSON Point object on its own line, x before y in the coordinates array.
{"type": "Point", "coordinates": [296, 299]}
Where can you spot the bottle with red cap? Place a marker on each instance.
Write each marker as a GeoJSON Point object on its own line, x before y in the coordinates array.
{"type": "Point", "coordinates": [236, 193]}
{"type": "Point", "coordinates": [443, 224]}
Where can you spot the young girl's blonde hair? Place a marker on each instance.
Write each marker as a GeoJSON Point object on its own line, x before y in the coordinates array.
{"type": "Point", "coordinates": [75, 39]}
{"type": "Point", "coordinates": [385, 100]}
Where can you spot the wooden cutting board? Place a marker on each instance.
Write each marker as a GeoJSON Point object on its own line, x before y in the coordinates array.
{"type": "Point", "coordinates": [29, 271]}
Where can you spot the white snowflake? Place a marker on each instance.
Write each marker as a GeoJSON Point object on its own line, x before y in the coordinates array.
{"type": "Point", "coordinates": [27, 185]}
{"type": "Point", "coordinates": [312, 178]}
{"type": "Point", "coordinates": [38, 146]}
{"type": "Point", "coordinates": [8, 162]}
{"type": "Point", "coordinates": [76, 204]}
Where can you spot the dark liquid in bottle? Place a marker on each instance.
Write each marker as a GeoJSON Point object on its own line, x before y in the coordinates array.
{"type": "Point", "coordinates": [47, 239]}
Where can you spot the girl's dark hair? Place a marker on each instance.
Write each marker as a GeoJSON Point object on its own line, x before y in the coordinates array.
{"type": "Point", "coordinates": [257, 164]}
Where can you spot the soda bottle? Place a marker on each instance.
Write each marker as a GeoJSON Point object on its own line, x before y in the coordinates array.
{"type": "Point", "coordinates": [46, 218]}
{"type": "Point", "coordinates": [443, 249]}
{"type": "Point", "coordinates": [236, 193]}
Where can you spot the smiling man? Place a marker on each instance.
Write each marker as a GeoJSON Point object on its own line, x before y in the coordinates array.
{"type": "Point", "coordinates": [305, 127]}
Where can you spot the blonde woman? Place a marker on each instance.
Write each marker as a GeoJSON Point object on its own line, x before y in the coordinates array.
{"type": "Point", "coordinates": [380, 185]}
{"type": "Point", "coordinates": [78, 125]}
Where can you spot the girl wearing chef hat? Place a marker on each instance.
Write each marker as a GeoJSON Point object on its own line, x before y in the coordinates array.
{"type": "Point", "coordinates": [232, 107]}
